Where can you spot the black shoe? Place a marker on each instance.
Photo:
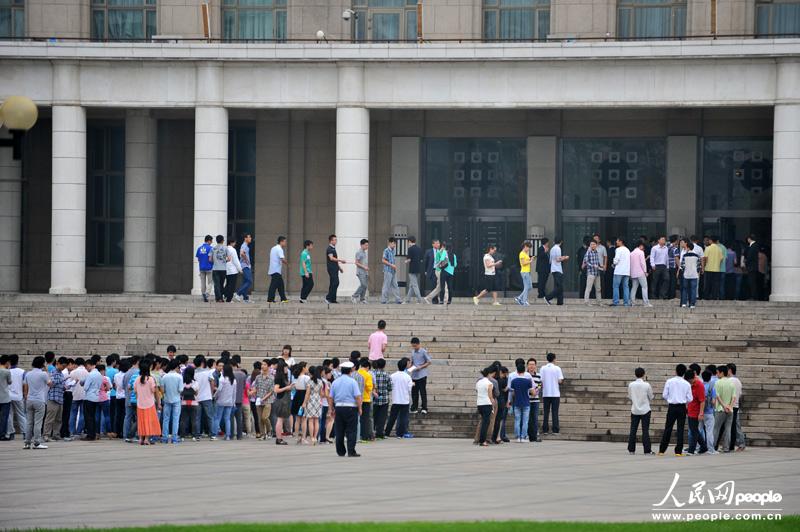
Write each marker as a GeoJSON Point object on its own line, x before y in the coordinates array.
{"type": "Point", "coordinates": [505, 440]}
{"type": "Point", "coordinates": [353, 455]}
{"type": "Point", "coordinates": [341, 455]}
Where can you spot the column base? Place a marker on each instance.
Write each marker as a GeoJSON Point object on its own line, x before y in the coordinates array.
{"type": "Point", "coordinates": [68, 291]}
{"type": "Point", "coordinates": [784, 298]}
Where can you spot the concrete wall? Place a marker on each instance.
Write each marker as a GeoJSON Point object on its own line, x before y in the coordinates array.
{"type": "Point", "coordinates": [37, 202]}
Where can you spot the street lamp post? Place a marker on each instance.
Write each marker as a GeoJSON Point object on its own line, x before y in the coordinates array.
{"type": "Point", "coordinates": [18, 114]}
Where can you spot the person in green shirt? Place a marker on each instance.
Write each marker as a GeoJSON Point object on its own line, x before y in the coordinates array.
{"type": "Point", "coordinates": [713, 258]}
{"type": "Point", "coordinates": [306, 275]}
{"type": "Point", "coordinates": [723, 408]}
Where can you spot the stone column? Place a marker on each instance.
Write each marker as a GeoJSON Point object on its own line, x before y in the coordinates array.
{"type": "Point", "coordinates": [542, 169]}
{"type": "Point", "coordinates": [10, 220]}
{"type": "Point", "coordinates": [786, 203]}
{"type": "Point", "coordinates": [140, 201]}
{"type": "Point", "coordinates": [210, 161]}
{"type": "Point", "coordinates": [352, 172]}
{"type": "Point", "coordinates": [681, 185]}
{"type": "Point", "coordinates": [405, 184]}
{"type": "Point", "coordinates": [68, 255]}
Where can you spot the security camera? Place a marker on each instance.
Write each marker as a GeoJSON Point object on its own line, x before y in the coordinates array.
{"type": "Point", "coordinates": [347, 13]}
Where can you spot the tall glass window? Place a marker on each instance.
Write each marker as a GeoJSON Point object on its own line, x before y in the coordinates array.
{"type": "Point", "coordinates": [614, 174]}
{"type": "Point", "coordinates": [241, 181]}
{"type": "Point", "coordinates": [12, 18]}
{"type": "Point", "coordinates": [385, 20]}
{"type": "Point", "coordinates": [737, 174]}
{"type": "Point", "coordinates": [522, 20]}
{"type": "Point", "coordinates": [123, 20]}
{"type": "Point", "coordinates": [254, 20]}
{"type": "Point", "coordinates": [105, 205]}
{"type": "Point", "coordinates": [651, 19]}
{"type": "Point", "coordinates": [778, 17]}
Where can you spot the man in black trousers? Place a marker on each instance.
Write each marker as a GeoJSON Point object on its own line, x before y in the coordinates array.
{"type": "Point", "coordinates": [430, 269]}
{"type": "Point", "coordinates": [345, 398]}
{"type": "Point", "coordinates": [542, 267]}
{"type": "Point", "coordinates": [751, 264]}
{"type": "Point", "coordinates": [677, 393]}
{"type": "Point", "coordinates": [334, 267]}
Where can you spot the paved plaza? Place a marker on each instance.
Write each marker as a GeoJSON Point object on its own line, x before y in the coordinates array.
{"type": "Point", "coordinates": [107, 484]}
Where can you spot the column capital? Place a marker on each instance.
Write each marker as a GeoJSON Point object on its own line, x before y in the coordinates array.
{"type": "Point", "coordinates": [351, 85]}
{"type": "Point", "coordinates": [209, 86]}
{"type": "Point", "coordinates": [66, 83]}
{"type": "Point", "coordinates": [788, 81]}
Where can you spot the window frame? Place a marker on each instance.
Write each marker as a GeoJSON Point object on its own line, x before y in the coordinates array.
{"type": "Point", "coordinates": [633, 5]}
{"type": "Point", "coordinates": [364, 12]}
{"type": "Point", "coordinates": [277, 7]}
{"type": "Point", "coordinates": [236, 225]}
{"type": "Point", "coordinates": [106, 173]}
{"type": "Point", "coordinates": [148, 7]}
{"type": "Point", "coordinates": [495, 6]}
{"type": "Point", "coordinates": [15, 7]}
{"type": "Point", "coordinates": [759, 4]}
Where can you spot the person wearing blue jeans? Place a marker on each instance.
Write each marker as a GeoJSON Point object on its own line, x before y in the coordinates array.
{"type": "Point", "coordinates": [76, 420]}
{"type": "Point", "coordinates": [222, 413]}
{"type": "Point", "coordinates": [205, 412]}
{"type": "Point", "coordinates": [172, 385]}
{"type": "Point", "coordinates": [520, 385]}
{"type": "Point", "coordinates": [243, 294]}
{"type": "Point", "coordinates": [622, 272]}
{"type": "Point", "coordinates": [690, 270]}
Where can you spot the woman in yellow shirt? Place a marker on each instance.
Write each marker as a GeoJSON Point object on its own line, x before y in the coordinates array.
{"type": "Point", "coordinates": [525, 270]}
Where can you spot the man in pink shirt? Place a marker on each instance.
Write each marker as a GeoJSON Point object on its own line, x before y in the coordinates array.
{"type": "Point", "coordinates": [639, 274]}
{"type": "Point", "coordinates": [377, 342]}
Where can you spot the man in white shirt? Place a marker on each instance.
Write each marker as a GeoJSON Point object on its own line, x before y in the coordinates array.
{"type": "Point", "coordinates": [76, 417]}
{"type": "Point", "coordinates": [677, 393]}
{"type": "Point", "coordinates": [17, 408]}
{"type": "Point", "coordinates": [557, 271]}
{"type": "Point", "coordinates": [640, 393]}
{"type": "Point", "coordinates": [552, 377]}
{"type": "Point", "coordinates": [737, 435]}
{"type": "Point", "coordinates": [277, 259]}
{"type": "Point", "coordinates": [622, 273]}
{"type": "Point", "coordinates": [232, 269]}
{"type": "Point", "coordinates": [401, 397]}
{"type": "Point", "coordinates": [202, 375]}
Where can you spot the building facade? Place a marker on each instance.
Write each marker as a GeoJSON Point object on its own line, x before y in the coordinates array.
{"type": "Point", "coordinates": [510, 119]}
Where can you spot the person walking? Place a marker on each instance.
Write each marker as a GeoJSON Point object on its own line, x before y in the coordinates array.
{"type": "Point", "coordinates": [219, 268]}
{"type": "Point", "coordinates": [147, 395]}
{"type": "Point", "coordinates": [390, 286]}
{"type": "Point", "coordinates": [594, 273]}
{"type": "Point", "coordinates": [449, 264]}
{"type": "Point", "coordinates": [362, 272]}
{"type": "Point", "coordinates": [557, 271]}
{"type": "Point", "coordinates": [277, 260]}
{"type": "Point", "coordinates": [525, 272]}
{"type": "Point", "coordinates": [414, 261]}
{"type": "Point", "coordinates": [552, 378]}
{"type": "Point", "coordinates": [486, 405]}
{"type": "Point", "coordinates": [232, 270]}
{"type": "Point", "coordinates": [205, 264]}
{"type": "Point", "coordinates": [420, 361]}
{"type": "Point", "coordinates": [622, 272]}
{"type": "Point", "coordinates": [306, 274]}
{"type": "Point", "coordinates": [334, 267]}
{"type": "Point", "coordinates": [640, 393]}
{"type": "Point", "coordinates": [345, 400]}
{"type": "Point", "coordinates": [542, 267]}
{"type": "Point", "coordinates": [431, 272]}
{"type": "Point", "coordinates": [602, 254]}
{"type": "Point", "coordinates": [243, 294]}
{"type": "Point", "coordinates": [677, 393]}
{"type": "Point", "coordinates": [489, 275]}
{"type": "Point", "coordinates": [34, 392]}
{"type": "Point", "coordinates": [639, 274]}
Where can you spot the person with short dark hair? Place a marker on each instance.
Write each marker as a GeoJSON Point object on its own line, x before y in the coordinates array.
{"type": "Point", "coordinates": [92, 385]}
{"type": "Point", "coordinates": [401, 391]}
{"type": "Point", "coordinates": [34, 391]}
{"type": "Point", "coordinates": [365, 418]}
{"type": "Point", "coordinates": [755, 281]}
{"type": "Point", "coordinates": [306, 273]}
{"type": "Point", "coordinates": [77, 417]}
{"type": "Point", "coordinates": [390, 286]}
{"type": "Point", "coordinates": [433, 273]}
{"type": "Point", "coordinates": [219, 255]}
{"type": "Point", "coordinates": [489, 275]}
{"type": "Point", "coordinates": [362, 272]}
{"type": "Point", "coordinates": [378, 342]}
{"type": "Point", "coordinates": [334, 266]}
{"type": "Point", "coordinates": [414, 258]}
{"type": "Point", "coordinates": [172, 388]}
{"type": "Point", "coordinates": [552, 378]}
{"type": "Point", "coordinates": [232, 269]}
{"type": "Point", "coordinates": [171, 350]}
{"type": "Point", "coordinates": [380, 404]}
{"type": "Point", "coordinates": [640, 393]}
{"type": "Point", "coordinates": [536, 390]}
{"type": "Point", "coordinates": [486, 405]}
{"type": "Point", "coordinates": [520, 388]}
{"type": "Point", "coordinates": [694, 412]}
{"type": "Point", "coordinates": [205, 262]}
{"type": "Point", "coordinates": [5, 396]}
{"type": "Point", "coordinates": [542, 267]}
{"type": "Point", "coordinates": [55, 402]}
{"type": "Point", "coordinates": [622, 273]}
{"type": "Point", "coordinates": [737, 434]}
{"type": "Point", "coordinates": [243, 294]}
{"type": "Point", "coordinates": [557, 271]}
{"type": "Point", "coordinates": [345, 398]}
{"type": "Point", "coordinates": [677, 393]}
{"type": "Point", "coordinates": [277, 260]}
{"type": "Point", "coordinates": [723, 410]}
{"type": "Point", "coordinates": [420, 361]}
{"type": "Point", "coordinates": [17, 420]}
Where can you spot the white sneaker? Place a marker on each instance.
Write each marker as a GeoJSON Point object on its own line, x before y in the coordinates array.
{"type": "Point", "coordinates": [683, 306]}
{"type": "Point", "coordinates": [475, 300]}
{"type": "Point", "coordinates": [237, 298]}
{"type": "Point", "coordinates": [39, 446]}
{"type": "Point", "coordinates": [691, 306]}
{"type": "Point", "coordinates": [649, 305]}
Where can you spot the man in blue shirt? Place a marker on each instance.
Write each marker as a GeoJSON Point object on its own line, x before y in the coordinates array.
{"type": "Point", "coordinates": [172, 384]}
{"type": "Point", "coordinates": [390, 274]}
{"type": "Point", "coordinates": [205, 264]}
{"type": "Point", "coordinates": [91, 387]}
{"type": "Point", "coordinates": [243, 294]}
{"type": "Point", "coordinates": [557, 271]}
{"type": "Point", "coordinates": [345, 399]}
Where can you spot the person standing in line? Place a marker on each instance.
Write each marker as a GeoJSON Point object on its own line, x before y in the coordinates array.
{"type": "Point", "coordinates": [723, 410]}
{"type": "Point", "coordinates": [489, 275]}
{"type": "Point", "coordinates": [172, 387]}
{"type": "Point", "coordinates": [486, 405]}
{"type": "Point", "coordinates": [659, 262]}
{"type": "Point", "coordinates": [281, 407]}
{"type": "Point", "coordinates": [737, 435]}
{"type": "Point", "coordinates": [533, 419]}
{"type": "Point", "coordinates": [119, 401]}
{"type": "Point", "coordinates": [694, 412]}
{"type": "Point", "coordinates": [232, 269]}
{"type": "Point", "coordinates": [689, 271]}
{"type": "Point", "coordinates": [378, 342]}
{"type": "Point", "coordinates": [365, 417]}
{"type": "Point", "coordinates": [431, 272]}
{"type": "Point", "coordinates": [112, 368]}
{"type": "Point", "coordinates": [204, 414]}
{"type": "Point", "coordinates": [362, 272]}
{"type": "Point", "coordinates": [525, 271]}
{"type": "Point", "coordinates": [552, 378]}
{"type": "Point", "coordinates": [345, 400]}
{"type": "Point", "coordinates": [225, 396]}
{"type": "Point", "coordinates": [420, 361]}
{"type": "Point", "coordinates": [677, 393]}
{"type": "Point", "coordinates": [190, 415]}
{"type": "Point", "coordinates": [580, 253]}
{"type": "Point", "coordinates": [243, 294]}
{"type": "Point", "coordinates": [77, 417]}
{"type": "Point", "coordinates": [622, 272]}
{"type": "Point", "coordinates": [639, 274]}
{"type": "Point", "coordinates": [674, 261]}
{"type": "Point", "coordinates": [17, 417]}
{"type": "Point", "coordinates": [277, 260]}
{"type": "Point", "coordinates": [219, 268]}
{"type": "Point", "coordinates": [401, 391]}
{"type": "Point", "coordinates": [557, 271]}
{"type": "Point", "coordinates": [542, 267]}
{"type": "Point", "coordinates": [594, 273]}
{"type": "Point", "coordinates": [390, 286]}
{"type": "Point", "coordinates": [751, 266]}
{"type": "Point", "coordinates": [602, 254]}
{"type": "Point", "coordinates": [380, 406]}
{"type": "Point", "coordinates": [55, 402]}
{"type": "Point", "coordinates": [34, 391]}
{"type": "Point", "coordinates": [728, 286]}
{"type": "Point", "coordinates": [521, 387]}
{"type": "Point", "coordinates": [205, 262]}
{"type": "Point", "coordinates": [91, 389]}
{"type": "Point", "coordinates": [640, 393]}
{"type": "Point", "coordinates": [713, 258]}
{"type": "Point", "coordinates": [129, 424]}
{"type": "Point", "coordinates": [414, 262]}
{"type": "Point", "coordinates": [238, 413]}
{"type": "Point", "coordinates": [306, 275]}
{"type": "Point", "coordinates": [5, 396]}
{"type": "Point", "coordinates": [499, 426]}
{"type": "Point", "coordinates": [708, 408]}
{"type": "Point", "coordinates": [334, 266]}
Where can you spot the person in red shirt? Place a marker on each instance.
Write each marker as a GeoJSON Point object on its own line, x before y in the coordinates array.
{"type": "Point", "coordinates": [695, 411]}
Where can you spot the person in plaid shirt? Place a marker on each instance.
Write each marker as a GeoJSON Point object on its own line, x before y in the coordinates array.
{"type": "Point", "coordinates": [674, 256]}
{"type": "Point", "coordinates": [591, 263]}
{"type": "Point", "coordinates": [380, 403]}
{"type": "Point", "coordinates": [55, 402]}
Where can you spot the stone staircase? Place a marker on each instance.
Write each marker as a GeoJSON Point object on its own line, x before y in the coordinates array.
{"type": "Point", "coordinates": [597, 347]}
